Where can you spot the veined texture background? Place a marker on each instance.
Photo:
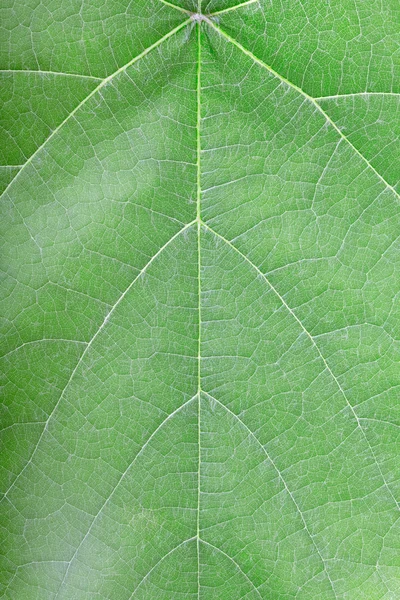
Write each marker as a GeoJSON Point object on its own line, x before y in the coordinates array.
{"type": "Point", "coordinates": [200, 296]}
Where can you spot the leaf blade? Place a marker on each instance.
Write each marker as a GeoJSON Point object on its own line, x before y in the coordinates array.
{"type": "Point", "coordinates": [219, 413]}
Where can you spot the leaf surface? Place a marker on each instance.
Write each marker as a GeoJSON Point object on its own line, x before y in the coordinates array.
{"type": "Point", "coordinates": [200, 296]}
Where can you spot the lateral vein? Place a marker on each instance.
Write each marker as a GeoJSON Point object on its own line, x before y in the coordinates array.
{"type": "Point", "coordinates": [93, 92]}
{"type": "Point", "coordinates": [88, 346]}
{"type": "Point", "coordinates": [283, 482]}
{"type": "Point", "coordinates": [314, 343]}
{"type": "Point", "coordinates": [305, 95]}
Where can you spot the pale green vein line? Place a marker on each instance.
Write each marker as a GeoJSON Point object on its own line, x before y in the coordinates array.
{"type": "Point", "coordinates": [283, 482]}
{"type": "Point", "coordinates": [158, 563]}
{"type": "Point", "coordinates": [19, 423]}
{"type": "Point", "coordinates": [32, 342]}
{"type": "Point", "coordinates": [285, 304]}
{"type": "Point", "coordinates": [365, 95]}
{"type": "Point", "coordinates": [198, 125]}
{"type": "Point", "coordinates": [198, 217]}
{"type": "Point", "coordinates": [300, 261]}
{"type": "Point", "coordinates": [27, 564]}
{"type": "Point", "coordinates": [180, 8]}
{"type": "Point", "coordinates": [236, 565]}
{"type": "Point", "coordinates": [90, 343]}
{"type": "Point", "coordinates": [213, 14]}
{"type": "Point", "coordinates": [124, 474]}
{"type": "Point", "coordinates": [93, 92]}
{"type": "Point", "coordinates": [305, 95]}
{"type": "Point", "coordinates": [40, 72]}
{"type": "Point", "coordinates": [235, 7]}
{"type": "Point", "coordinates": [152, 211]}
{"type": "Point", "coordinates": [382, 421]}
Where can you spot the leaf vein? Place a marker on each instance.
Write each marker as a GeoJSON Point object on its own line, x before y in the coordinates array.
{"type": "Point", "coordinates": [283, 482]}
{"type": "Point", "coordinates": [317, 349]}
{"type": "Point", "coordinates": [93, 92]}
{"type": "Point", "coordinates": [306, 96]}
{"type": "Point", "coordinates": [236, 565]}
{"type": "Point", "coordinates": [168, 418]}
{"type": "Point", "coordinates": [89, 344]}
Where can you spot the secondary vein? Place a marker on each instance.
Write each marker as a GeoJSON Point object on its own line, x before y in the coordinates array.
{"type": "Point", "coordinates": [93, 92]}
{"type": "Point", "coordinates": [314, 343]}
{"type": "Point", "coordinates": [303, 93]}
{"type": "Point", "coordinates": [87, 348]}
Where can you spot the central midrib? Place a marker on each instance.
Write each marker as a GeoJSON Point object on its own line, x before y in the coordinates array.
{"type": "Point", "coordinates": [198, 217]}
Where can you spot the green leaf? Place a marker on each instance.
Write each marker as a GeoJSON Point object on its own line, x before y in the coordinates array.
{"type": "Point", "coordinates": [201, 316]}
